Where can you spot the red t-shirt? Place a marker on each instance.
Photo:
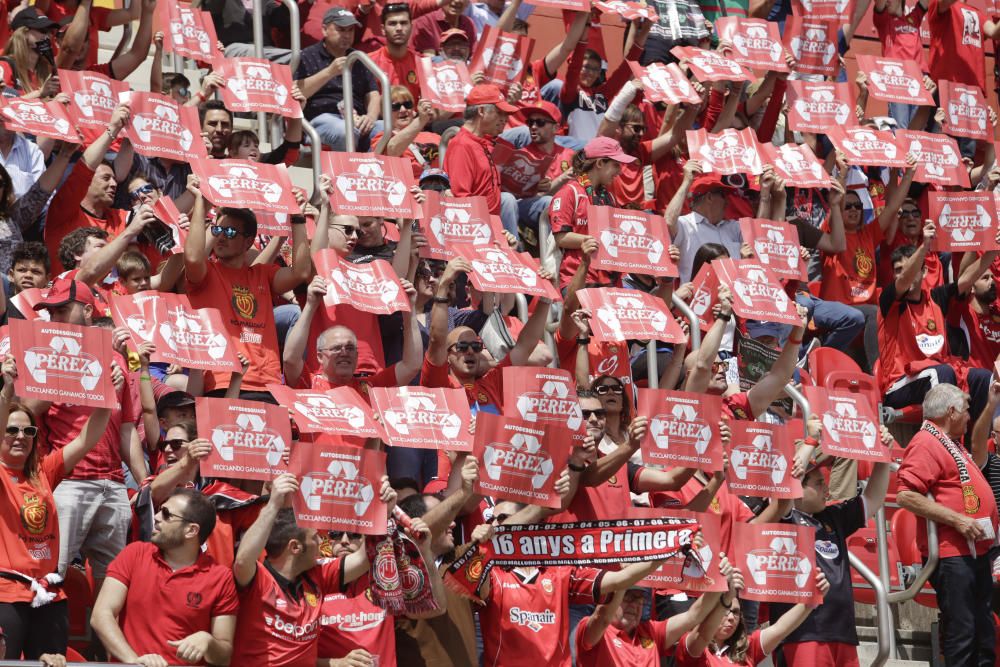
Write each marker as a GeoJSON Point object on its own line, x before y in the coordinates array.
{"type": "Point", "coordinates": [956, 50]}
{"type": "Point", "coordinates": [278, 629]}
{"type": "Point", "coordinates": [728, 506]}
{"type": "Point", "coordinates": [928, 466]}
{"type": "Point", "coordinates": [427, 146]}
{"type": "Point", "coordinates": [755, 655]}
{"type": "Point", "coordinates": [983, 331]}
{"type": "Point", "coordinates": [849, 277]}
{"type": "Point", "coordinates": [30, 527]}
{"type": "Point", "coordinates": [900, 35]}
{"type": "Point", "coordinates": [563, 158]}
{"type": "Point", "coordinates": [628, 188]}
{"type": "Point", "coordinates": [609, 500]}
{"type": "Point", "coordinates": [617, 648]}
{"type": "Point", "coordinates": [185, 600]}
{"type": "Point", "coordinates": [350, 620]}
{"type": "Point", "coordinates": [568, 213]}
{"type": "Point", "coordinates": [470, 167]}
{"type": "Point", "coordinates": [402, 72]}
{"type": "Point", "coordinates": [935, 272]}
{"type": "Point", "coordinates": [911, 337]}
{"type": "Point", "coordinates": [383, 378]}
{"type": "Point", "coordinates": [485, 393]}
{"type": "Point", "coordinates": [526, 621]}
{"type": "Point", "coordinates": [605, 358]}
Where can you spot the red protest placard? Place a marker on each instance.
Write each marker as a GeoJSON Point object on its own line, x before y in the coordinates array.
{"type": "Point", "coordinates": [188, 32]}
{"type": "Point", "coordinates": [520, 460]}
{"type": "Point", "coordinates": [254, 84]}
{"type": "Point", "coordinates": [372, 287]}
{"type": "Point", "coordinates": [727, 152]}
{"type": "Point", "coordinates": [711, 65]}
{"type": "Point", "coordinates": [756, 42]}
{"type": "Point", "coordinates": [457, 220]}
{"type": "Point", "coordinates": [250, 440]}
{"type": "Point", "coordinates": [628, 10]}
{"type": "Point", "coordinates": [498, 269]}
{"type": "Point", "coordinates": [867, 147]}
{"type": "Point", "coordinates": [683, 429]}
{"type": "Point", "coordinates": [92, 97]}
{"type": "Point", "coordinates": [841, 11]}
{"type": "Point", "coordinates": [339, 411]}
{"type": "Point", "coordinates": [623, 314]}
{"type": "Point", "coordinates": [665, 83]}
{"type": "Point", "coordinates": [4, 340]}
{"type": "Point", "coordinates": [966, 113]}
{"type": "Point", "coordinates": [444, 84]}
{"type": "Point", "coordinates": [63, 363]}
{"type": "Point", "coordinates": [775, 246]}
{"type": "Point", "coordinates": [850, 424]}
{"type": "Point", "coordinates": [700, 573]}
{"type": "Point", "coordinates": [813, 43]}
{"type": "Point", "coordinates": [796, 164]}
{"type": "Point", "coordinates": [502, 57]}
{"type": "Point", "coordinates": [757, 291]}
{"type": "Point", "coordinates": [543, 396]}
{"type": "Point", "coordinates": [339, 488]}
{"type": "Point", "coordinates": [705, 286]}
{"type": "Point", "coordinates": [778, 561]}
{"type": "Point", "coordinates": [424, 418]}
{"type": "Point", "coordinates": [183, 335]}
{"type": "Point", "coordinates": [160, 127]}
{"type": "Point", "coordinates": [938, 158]}
{"type": "Point", "coordinates": [167, 213]}
{"type": "Point", "coordinates": [245, 184]}
{"type": "Point", "coordinates": [520, 171]}
{"type": "Point", "coordinates": [895, 80]}
{"type": "Point", "coordinates": [43, 119]}
{"type": "Point", "coordinates": [816, 106]}
{"type": "Point", "coordinates": [630, 241]}
{"type": "Point", "coordinates": [25, 301]}
{"type": "Point", "coordinates": [365, 184]}
{"type": "Point", "coordinates": [760, 461]}
{"type": "Point", "coordinates": [965, 221]}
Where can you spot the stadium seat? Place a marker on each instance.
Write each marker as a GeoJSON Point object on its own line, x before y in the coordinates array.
{"type": "Point", "coordinates": [864, 544]}
{"type": "Point", "coordinates": [903, 527]}
{"type": "Point", "coordinates": [79, 589]}
{"type": "Point", "coordinates": [826, 360]}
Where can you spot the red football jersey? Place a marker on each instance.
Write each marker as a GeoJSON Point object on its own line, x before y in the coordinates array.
{"type": "Point", "coordinates": [351, 620]}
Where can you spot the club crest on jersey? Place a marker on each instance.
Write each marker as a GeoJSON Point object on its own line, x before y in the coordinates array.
{"type": "Point", "coordinates": [547, 585]}
{"type": "Point", "coordinates": [244, 302]}
{"type": "Point", "coordinates": [34, 514]}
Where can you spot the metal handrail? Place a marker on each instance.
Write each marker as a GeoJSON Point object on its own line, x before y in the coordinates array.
{"type": "Point", "coordinates": [383, 79]}
{"type": "Point", "coordinates": [802, 402]}
{"type": "Point", "coordinates": [295, 42]}
{"type": "Point", "coordinates": [884, 624]}
{"type": "Point", "coordinates": [521, 306]}
{"type": "Point", "coordinates": [933, 557]}
{"type": "Point", "coordinates": [694, 331]}
{"type": "Point", "coordinates": [258, 52]}
{"type": "Point", "coordinates": [652, 365]}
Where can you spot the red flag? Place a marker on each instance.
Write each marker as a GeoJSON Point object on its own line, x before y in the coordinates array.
{"type": "Point", "coordinates": [841, 11]}
{"type": "Point", "coordinates": [444, 84]}
{"type": "Point", "coordinates": [188, 32]}
{"type": "Point", "coordinates": [966, 113]}
{"type": "Point", "coordinates": [711, 65]}
{"type": "Point", "coordinates": [162, 128]}
{"type": "Point", "coordinates": [938, 158]}
{"type": "Point", "coordinates": [93, 97]}
{"type": "Point", "coordinates": [756, 42]}
{"type": "Point", "coordinates": [457, 220]}
{"type": "Point", "coordinates": [850, 424]}
{"type": "Point", "coordinates": [502, 57]}
{"type": "Point", "coordinates": [895, 80]}
{"type": "Point", "coordinates": [760, 461]}
{"type": "Point", "coordinates": [254, 84]}
{"type": "Point", "coordinates": [965, 221]}
{"type": "Point", "coordinates": [630, 241]}
{"type": "Point", "coordinates": [778, 561]}
{"type": "Point", "coordinates": [167, 213]}
{"type": "Point", "coordinates": [665, 83]}
{"type": "Point", "coordinates": [706, 285]}
{"type": "Point", "coordinates": [245, 184]}
{"type": "Point", "coordinates": [543, 396]}
{"type": "Point", "coordinates": [520, 461]}
{"type": "Point", "coordinates": [757, 291]}
{"type": "Point", "coordinates": [43, 119]}
{"type": "Point", "coordinates": [366, 185]}
{"type": "Point", "coordinates": [624, 314]}
{"type": "Point", "coordinates": [796, 164]}
{"type": "Point", "coordinates": [424, 418]}
{"type": "Point", "coordinates": [864, 146]}
{"type": "Point", "coordinates": [813, 42]}
{"type": "Point", "coordinates": [683, 429]}
{"type": "Point", "coordinates": [63, 363]}
{"type": "Point", "coordinates": [502, 270]}
{"type": "Point", "coordinates": [183, 335]}
{"type": "Point", "coordinates": [250, 440]}
{"type": "Point", "coordinates": [339, 411]}
{"type": "Point", "coordinates": [372, 287]}
{"type": "Point", "coordinates": [775, 246]}
{"type": "Point", "coordinates": [520, 171]}
{"type": "Point", "coordinates": [727, 152]}
{"type": "Point", "coordinates": [339, 488]}
{"type": "Point", "coordinates": [699, 573]}
{"type": "Point", "coordinates": [816, 106]}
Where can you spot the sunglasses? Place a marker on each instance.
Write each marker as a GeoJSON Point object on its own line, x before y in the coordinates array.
{"type": "Point", "coordinates": [142, 190]}
{"type": "Point", "coordinates": [176, 443]}
{"type": "Point", "coordinates": [170, 516]}
{"type": "Point", "coordinates": [500, 518]}
{"type": "Point", "coordinates": [910, 213]}
{"type": "Point", "coordinates": [28, 431]}
{"type": "Point", "coordinates": [427, 274]}
{"type": "Point", "coordinates": [228, 232]}
{"type": "Point", "coordinates": [337, 349]}
{"type": "Point", "coordinates": [853, 207]}
{"type": "Point", "coordinates": [339, 535]}
{"type": "Point", "coordinates": [539, 122]}
{"type": "Point", "coordinates": [636, 128]}
{"type": "Point", "coordinates": [347, 230]}
{"type": "Point", "coordinates": [718, 366]}
{"type": "Point", "coordinates": [465, 346]}
{"type": "Point", "coordinates": [600, 413]}
{"type": "Point", "coordinates": [399, 106]}
{"type": "Point", "coordinates": [605, 389]}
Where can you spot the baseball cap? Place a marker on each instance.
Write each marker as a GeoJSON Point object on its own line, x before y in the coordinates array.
{"type": "Point", "coordinates": [487, 93]}
{"type": "Point", "coordinates": [434, 172]}
{"type": "Point", "coordinates": [340, 16]}
{"type": "Point", "coordinates": [706, 183]}
{"type": "Point", "coordinates": [759, 329]}
{"type": "Point", "coordinates": [29, 17]}
{"type": "Point", "coordinates": [174, 399]}
{"type": "Point", "coordinates": [541, 107]}
{"type": "Point", "coordinates": [607, 147]}
{"type": "Point", "coordinates": [452, 32]}
{"type": "Point", "coordinates": [65, 290]}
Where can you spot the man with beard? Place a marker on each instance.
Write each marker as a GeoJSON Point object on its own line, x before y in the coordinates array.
{"type": "Point", "coordinates": [216, 126]}
{"type": "Point", "coordinates": [397, 57]}
{"type": "Point", "coordinates": [977, 334]}
{"type": "Point", "coordinates": [194, 597]}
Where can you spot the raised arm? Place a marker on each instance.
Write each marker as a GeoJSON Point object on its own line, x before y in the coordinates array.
{"type": "Point", "coordinates": [899, 190]}
{"type": "Point", "coordinates": [531, 334]}
{"type": "Point", "coordinates": [128, 62]}
{"type": "Point", "coordinates": [413, 343]}
{"type": "Point", "coordinates": [293, 357]}
{"type": "Point", "coordinates": [98, 265]}
{"type": "Point", "coordinates": [984, 425]}
{"type": "Point", "coordinates": [290, 277]}
{"type": "Point", "coordinates": [692, 168]}
{"type": "Point", "coordinates": [437, 348]}
{"type": "Point", "coordinates": [915, 262]}
{"type": "Point", "coordinates": [255, 538]}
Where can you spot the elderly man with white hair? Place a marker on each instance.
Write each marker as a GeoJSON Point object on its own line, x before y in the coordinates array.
{"type": "Point", "coordinates": [964, 509]}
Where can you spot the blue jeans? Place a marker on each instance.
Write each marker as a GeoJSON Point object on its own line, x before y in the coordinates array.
{"type": "Point", "coordinates": [508, 212]}
{"type": "Point", "coordinates": [285, 317]}
{"type": "Point", "coordinates": [841, 323]}
{"type": "Point", "coordinates": [550, 91]}
{"type": "Point", "coordinates": [902, 113]}
{"type": "Point", "coordinates": [964, 588]}
{"type": "Point", "coordinates": [530, 209]}
{"type": "Point", "coordinates": [333, 133]}
{"type": "Point", "coordinates": [518, 136]}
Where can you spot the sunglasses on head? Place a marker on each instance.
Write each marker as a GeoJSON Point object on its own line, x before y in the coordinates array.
{"type": "Point", "coordinates": [142, 190]}
{"type": "Point", "coordinates": [465, 346]}
{"type": "Point", "coordinates": [600, 413]}
{"type": "Point", "coordinates": [28, 431]}
{"type": "Point", "coordinates": [405, 104]}
{"type": "Point", "coordinates": [228, 232]}
{"type": "Point", "coordinates": [176, 443]}
{"type": "Point", "coordinates": [854, 206]}
{"type": "Point", "coordinates": [605, 389]}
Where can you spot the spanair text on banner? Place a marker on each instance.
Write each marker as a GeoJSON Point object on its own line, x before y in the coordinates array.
{"type": "Point", "coordinates": [698, 570]}
{"type": "Point", "coordinates": [43, 119]}
{"type": "Point", "coordinates": [683, 429]}
{"type": "Point", "coordinates": [728, 152]}
{"type": "Point", "coordinates": [424, 418]}
{"type": "Point", "coordinates": [496, 269]}
{"type": "Point", "coordinates": [939, 160]}
{"type": "Point", "coordinates": [775, 245]}
{"type": "Point", "coordinates": [250, 440]}
{"type": "Point", "coordinates": [816, 106]}
{"type": "Point", "coordinates": [520, 170]}
{"type": "Point", "coordinates": [711, 65]}
{"type": "Point", "coordinates": [966, 113]}
{"type": "Point", "coordinates": [339, 411]}
{"type": "Point", "coordinates": [63, 363]}
{"type": "Point", "coordinates": [457, 220]}
{"type": "Point", "coordinates": [543, 396]}
{"type": "Point", "coordinates": [757, 291]}
{"type": "Point", "coordinates": [254, 84]}
{"type": "Point", "coordinates": [865, 147]}
{"type": "Point", "coordinates": [796, 164]}
{"type": "Point", "coordinates": [339, 488]}
{"type": "Point", "coordinates": [965, 221]}
{"type": "Point", "coordinates": [893, 80]}
{"type": "Point", "coordinates": [850, 424]}
{"type": "Point", "coordinates": [756, 42]}
{"type": "Point", "coordinates": [365, 184]}
{"type": "Point", "coordinates": [630, 241]}
{"type": "Point", "coordinates": [159, 127]}
{"type": "Point", "coordinates": [618, 315]}
{"type": "Point", "coordinates": [520, 460]}
{"type": "Point", "coordinates": [372, 287]}
{"type": "Point", "coordinates": [245, 184]}
{"type": "Point", "coordinates": [778, 561]}
{"type": "Point", "coordinates": [92, 97]}
{"type": "Point", "coordinates": [760, 461]}
{"type": "Point", "coordinates": [813, 43]}
{"type": "Point", "coordinates": [444, 84]}
{"type": "Point", "coordinates": [665, 83]}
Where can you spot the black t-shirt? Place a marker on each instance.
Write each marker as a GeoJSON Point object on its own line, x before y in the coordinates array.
{"type": "Point", "coordinates": [328, 98]}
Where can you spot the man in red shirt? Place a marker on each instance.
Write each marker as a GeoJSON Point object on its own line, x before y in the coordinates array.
{"type": "Point", "coordinates": [957, 33]}
{"type": "Point", "coordinates": [469, 157]}
{"type": "Point", "coordinates": [397, 57]}
{"type": "Point", "coordinates": [898, 30]}
{"type": "Point", "coordinates": [193, 597]}
{"type": "Point", "coordinates": [965, 512]}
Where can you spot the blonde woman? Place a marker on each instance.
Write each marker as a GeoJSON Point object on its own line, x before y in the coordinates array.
{"type": "Point", "coordinates": [408, 138]}
{"type": "Point", "coordinates": [27, 63]}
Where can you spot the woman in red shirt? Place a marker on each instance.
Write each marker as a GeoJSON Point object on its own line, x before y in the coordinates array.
{"type": "Point", "coordinates": [408, 138]}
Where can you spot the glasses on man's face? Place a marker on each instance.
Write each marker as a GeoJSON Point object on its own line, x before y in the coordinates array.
{"type": "Point", "coordinates": [405, 104]}
{"type": "Point", "coordinates": [500, 518]}
{"type": "Point", "coordinates": [349, 348]}
{"type": "Point", "coordinates": [605, 389]}
{"type": "Point", "coordinates": [347, 230]}
{"type": "Point", "coordinates": [464, 346]}
{"type": "Point", "coordinates": [538, 122]}
{"type": "Point", "coordinates": [600, 413]}
{"type": "Point", "coordinates": [719, 366]}
{"type": "Point", "coordinates": [853, 206]}
{"type": "Point", "coordinates": [174, 444]}
{"type": "Point", "coordinates": [338, 535]}
{"type": "Point", "coordinates": [28, 431]}
{"type": "Point", "coordinates": [170, 516]}
{"type": "Point", "coordinates": [428, 273]}
{"type": "Point", "coordinates": [146, 189]}
{"type": "Point", "coordinates": [228, 232]}
{"type": "Point", "coordinates": [909, 213]}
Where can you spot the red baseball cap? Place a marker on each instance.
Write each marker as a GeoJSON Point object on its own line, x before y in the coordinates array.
{"type": "Point", "coordinates": [706, 183]}
{"type": "Point", "coordinates": [453, 32]}
{"type": "Point", "coordinates": [65, 290]}
{"type": "Point", "coordinates": [541, 107]}
{"type": "Point", "coordinates": [487, 93]}
{"type": "Point", "coordinates": [607, 147]}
